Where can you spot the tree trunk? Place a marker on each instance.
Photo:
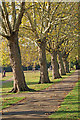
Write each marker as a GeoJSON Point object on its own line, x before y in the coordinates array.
{"type": "Point", "coordinates": [66, 64]}
{"type": "Point", "coordinates": [44, 78]}
{"type": "Point", "coordinates": [61, 65]}
{"type": "Point", "coordinates": [15, 57]}
{"type": "Point", "coordinates": [55, 66]}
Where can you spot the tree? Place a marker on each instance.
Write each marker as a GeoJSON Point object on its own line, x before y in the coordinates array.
{"type": "Point", "coordinates": [38, 24]}
{"type": "Point", "coordinates": [61, 65]}
{"type": "Point", "coordinates": [63, 24]}
{"type": "Point", "coordinates": [41, 20]}
{"type": "Point", "coordinates": [10, 27]}
{"type": "Point", "coordinates": [71, 31]}
{"type": "Point", "coordinates": [55, 39]}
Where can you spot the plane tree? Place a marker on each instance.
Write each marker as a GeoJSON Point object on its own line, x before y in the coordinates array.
{"type": "Point", "coordinates": [11, 17]}
{"type": "Point", "coordinates": [39, 23]}
{"type": "Point", "coordinates": [55, 39]}
{"type": "Point", "coordinates": [72, 33]}
{"type": "Point", "coordinates": [64, 24]}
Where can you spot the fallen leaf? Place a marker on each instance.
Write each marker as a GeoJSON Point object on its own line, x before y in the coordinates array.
{"type": "Point", "coordinates": [51, 96]}
{"type": "Point", "coordinates": [67, 108]}
{"type": "Point", "coordinates": [59, 106]}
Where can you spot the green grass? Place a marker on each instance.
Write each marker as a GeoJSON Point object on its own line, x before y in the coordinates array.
{"type": "Point", "coordinates": [6, 102]}
{"type": "Point", "coordinates": [8, 76]}
{"type": "Point", "coordinates": [32, 79]}
{"type": "Point", "coordinates": [70, 107]}
{"type": "Point", "coordinates": [35, 78]}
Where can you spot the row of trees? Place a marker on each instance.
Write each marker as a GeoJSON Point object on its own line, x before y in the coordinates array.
{"type": "Point", "coordinates": [35, 28]}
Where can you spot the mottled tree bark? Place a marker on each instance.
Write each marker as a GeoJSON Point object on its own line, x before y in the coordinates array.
{"type": "Point", "coordinates": [44, 78]}
{"type": "Point", "coordinates": [66, 65]}
{"type": "Point", "coordinates": [61, 65]}
{"type": "Point", "coordinates": [15, 57]}
{"type": "Point", "coordinates": [55, 66]}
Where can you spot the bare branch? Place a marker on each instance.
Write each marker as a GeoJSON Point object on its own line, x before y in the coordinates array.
{"type": "Point", "coordinates": [2, 34]}
{"type": "Point", "coordinates": [34, 15]}
{"type": "Point", "coordinates": [7, 17]}
{"type": "Point", "coordinates": [30, 20]}
{"type": "Point", "coordinates": [27, 28]}
{"type": "Point", "coordinates": [32, 25]}
{"type": "Point", "coordinates": [2, 13]}
{"type": "Point", "coordinates": [13, 14]}
{"type": "Point", "coordinates": [3, 21]}
{"type": "Point", "coordinates": [54, 12]}
{"type": "Point", "coordinates": [20, 15]}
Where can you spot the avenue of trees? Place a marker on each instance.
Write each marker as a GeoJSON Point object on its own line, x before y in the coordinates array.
{"type": "Point", "coordinates": [37, 33]}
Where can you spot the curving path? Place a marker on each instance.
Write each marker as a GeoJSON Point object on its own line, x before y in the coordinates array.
{"type": "Point", "coordinates": [43, 103]}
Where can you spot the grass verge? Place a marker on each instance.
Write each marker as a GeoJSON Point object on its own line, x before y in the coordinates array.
{"type": "Point", "coordinates": [8, 76]}
{"type": "Point", "coordinates": [6, 102]}
{"type": "Point", "coordinates": [70, 107]}
{"type": "Point", "coordinates": [32, 82]}
{"type": "Point", "coordinates": [32, 79]}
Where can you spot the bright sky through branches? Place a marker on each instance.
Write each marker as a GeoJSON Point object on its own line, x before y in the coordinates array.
{"type": "Point", "coordinates": [42, 0]}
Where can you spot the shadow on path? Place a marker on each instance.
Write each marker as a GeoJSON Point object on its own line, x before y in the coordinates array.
{"type": "Point", "coordinates": [42, 103]}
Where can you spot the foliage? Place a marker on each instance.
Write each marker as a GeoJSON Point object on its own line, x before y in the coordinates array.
{"type": "Point", "coordinates": [57, 22]}
{"type": "Point", "coordinates": [5, 60]}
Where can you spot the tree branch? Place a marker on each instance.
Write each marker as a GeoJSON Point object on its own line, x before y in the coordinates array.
{"type": "Point", "coordinates": [13, 14]}
{"type": "Point", "coordinates": [32, 25]}
{"type": "Point", "coordinates": [6, 17]}
{"type": "Point", "coordinates": [3, 25]}
{"type": "Point", "coordinates": [27, 28]}
{"type": "Point", "coordinates": [2, 34]}
{"type": "Point", "coordinates": [3, 21]}
{"type": "Point", "coordinates": [20, 15]}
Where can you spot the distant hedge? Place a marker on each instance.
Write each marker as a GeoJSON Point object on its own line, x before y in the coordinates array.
{"type": "Point", "coordinates": [9, 69]}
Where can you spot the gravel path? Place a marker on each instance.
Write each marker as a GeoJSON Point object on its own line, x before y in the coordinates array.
{"type": "Point", "coordinates": [43, 103]}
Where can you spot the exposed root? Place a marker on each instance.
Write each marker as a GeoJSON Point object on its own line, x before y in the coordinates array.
{"type": "Point", "coordinates": [57, 77]}
{"type": "Point", "coordinates": [63, 74]}
{"type": "Point", "coordinates": [16, 91]}
{"type": "Point", "coordinates": [44, 82]}
{"type": "Point", "coordinates": [13, 91]}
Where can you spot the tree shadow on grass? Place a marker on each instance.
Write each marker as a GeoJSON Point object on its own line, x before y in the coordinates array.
{"type": "Point", "coordinates": [7, 84]}
{"type": "Point", "coordinates": [32, 83]}
{"type": "Point", "coordinates": [36, 113]}
{"type": "Point", "coordinates": [37, 119]}
{"type": "Point", "coordinates": [62, 112]}
{"type": "Point", "coordinates": [10, 84]}
{"type": "Point", "coordinates": [73, 103]}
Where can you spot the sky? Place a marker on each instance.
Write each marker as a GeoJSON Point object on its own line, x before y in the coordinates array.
{"type": "Point", "coordinates": [42, 0]}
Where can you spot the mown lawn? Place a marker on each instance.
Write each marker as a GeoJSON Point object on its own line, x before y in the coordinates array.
{"type": "Point", "coordinates": [32, 79]}
{"type": "Point", "coordinates": [70, 107]}
{"type": "Point", "coordinates": [6, 102]}
{"type": "Point", "coordinates": [8, 76]}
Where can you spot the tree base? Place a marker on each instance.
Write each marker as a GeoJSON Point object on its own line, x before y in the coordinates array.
{"type": "Point", "coordinates": [44, 82]}
{"type": "Point", "coordinates": [57, 77]}
{"type": "Point", "coordinates": [63, 74]}
{"type": "Point", "coordinates": [16, 91]}
{"type": "Point", "coordinates": [68, 72]}
{"type": "Point", "coordinates": [13, 91]}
